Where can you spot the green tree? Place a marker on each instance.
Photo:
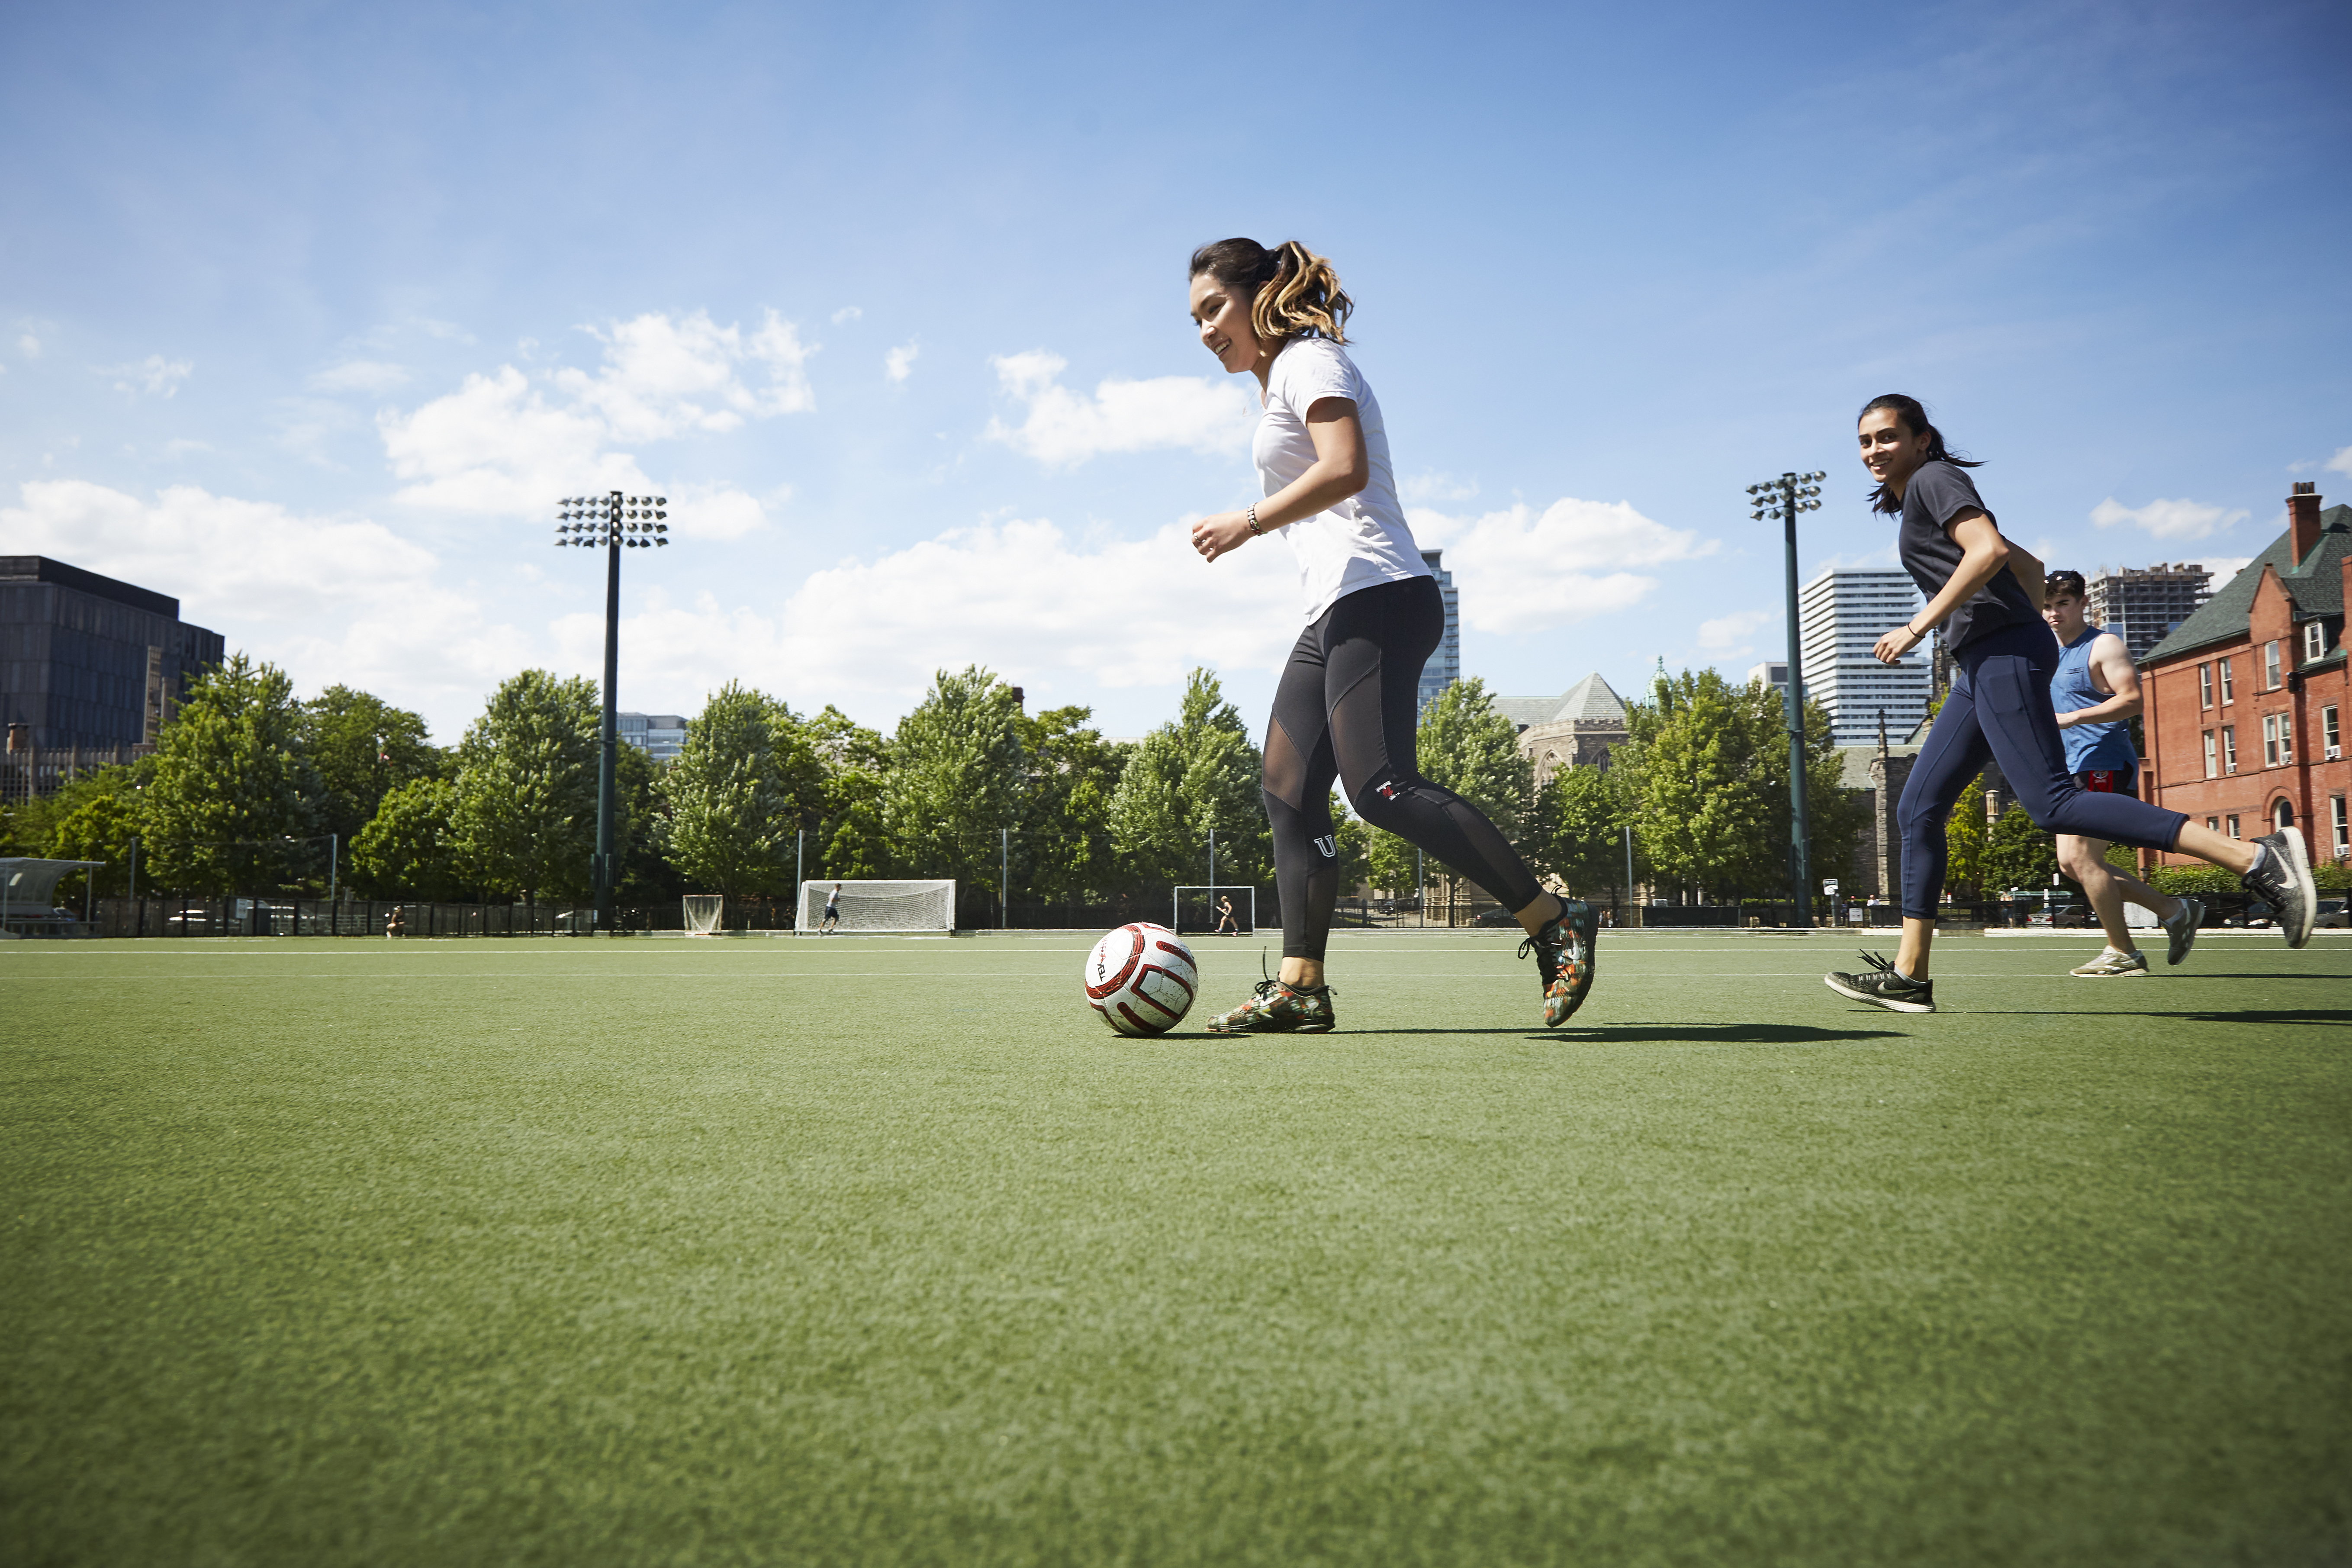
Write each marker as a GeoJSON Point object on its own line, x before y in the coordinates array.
{"type": "Point", "coordinates": [526, 816]}
{"type": "Point", "coordinates": [408, 849]}
{"type": "Point", "coordinates": [1702, 811]}
{"type": "Point", "coordinates": [641, 834]}
{"type": "Point", "coordinates": [1184, 778]}
{"type": "Point", "coordinates": [363, 748]}
{"type": "Point", "coordinates": [1577, 831]}
{"type": "Point", "coordinates": [851, 841]}
{"type": "Point", "coordinates": [2017, 854]}
{"type": "Point", "coordinates": [97, 819]}
{"type": "Point", "coordinates": [232, 785]}
{"type": "Point", "coordinates": [1066, 851]}
{"type": "Point", "coordinates": [957, 779]}
{"type": "Point", "coordinates": [1964, 842]}
{"type": "Point", "coordinates": [1835, 815]}
{"type": "Point", "coordinates": [731, 821]}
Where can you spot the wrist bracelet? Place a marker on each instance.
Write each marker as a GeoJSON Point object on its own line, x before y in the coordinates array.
{"type": "Point", "coordinates": [1253, 528]}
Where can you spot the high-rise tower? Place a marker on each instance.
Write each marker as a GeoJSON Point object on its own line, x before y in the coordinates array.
{"type": "Point", "coordinates": [1841, 616]}
{"type": "Point", "coordinates": [1445, 666]}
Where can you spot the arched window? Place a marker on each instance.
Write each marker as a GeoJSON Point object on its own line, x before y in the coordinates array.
{"type": "Point", "coordinates": [2282, 813]}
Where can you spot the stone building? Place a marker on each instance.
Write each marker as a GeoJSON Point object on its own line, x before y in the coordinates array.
{"type": "Point", "coordinates": [1576, 729]}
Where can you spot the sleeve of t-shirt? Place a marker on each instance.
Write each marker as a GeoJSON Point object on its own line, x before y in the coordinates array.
{"type": "Point", "coordinates": [1311, 370]}
{"type": "Point", "coordinates": [1941, 492]}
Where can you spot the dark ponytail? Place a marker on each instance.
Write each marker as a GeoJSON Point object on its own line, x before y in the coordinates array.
{"type": "Point", "coordinates": [1913, 416]}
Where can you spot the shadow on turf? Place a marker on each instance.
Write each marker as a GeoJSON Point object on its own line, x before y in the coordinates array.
{"type": "Point", "coordinates": [1709, 1033]}
{"type": "Point", "coordinates": [2331, 1017]}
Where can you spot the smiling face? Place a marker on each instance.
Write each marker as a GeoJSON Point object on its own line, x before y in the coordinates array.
{"type": "Point", "coordinates": [1892, 453]}
{"type": "Point", "coordinates": [1222, 314]}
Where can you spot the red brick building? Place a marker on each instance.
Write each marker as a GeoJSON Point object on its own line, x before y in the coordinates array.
{"type": "Point", "coordinates": [2246, 699]}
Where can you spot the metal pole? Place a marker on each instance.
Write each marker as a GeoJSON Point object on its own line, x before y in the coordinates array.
{"type": "Point", "coordinates": [1003, 876]}
{"type": "Point", "coordinates": [799, 873]}
{"type": "Point", "coordinates": [1420, 887]}
{"type": "Point", "coordinates": [89, 892]}
{"type": "Point", "coordinates": [1799, 856]}
{"type": "Point", "coordinates": [334, 866]}
{"type": "Point", "coordinates": [134, 870]}
{"type": "Point", "coordinates": [1212, 869]}
{"type": "Point", "coordinates": [606, 756]}
{"type": "Point", "coordinates": [1629, 862]}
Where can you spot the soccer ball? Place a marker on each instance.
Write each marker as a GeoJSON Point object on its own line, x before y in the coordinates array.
{"type": "Point", "coordinates": [1140, 979]}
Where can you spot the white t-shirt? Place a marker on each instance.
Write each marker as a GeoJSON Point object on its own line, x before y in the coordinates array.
{"type": "Point", "coordinates": [1364, 540]}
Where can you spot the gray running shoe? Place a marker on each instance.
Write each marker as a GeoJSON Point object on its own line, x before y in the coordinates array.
{"type": "Point", "coordinates": [2111, 965]}
{"type": "Point", "coordinates": [2180, 930]}
{"type": "Point", "coordinates": [2284, 881]}
{"type": "Point", "coordinates": [1881, 987]}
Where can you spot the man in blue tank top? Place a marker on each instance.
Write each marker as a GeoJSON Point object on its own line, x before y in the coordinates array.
{"type": "Point", "coordinates": [2095, 693]}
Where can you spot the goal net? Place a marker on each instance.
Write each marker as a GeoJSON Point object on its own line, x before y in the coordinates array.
{"type": "Point", "coordinates": [703, 911]}
{"type": "Point", "coordinates": [881, 906]}
{"type": "Point", "coordinates": [1197, 908]}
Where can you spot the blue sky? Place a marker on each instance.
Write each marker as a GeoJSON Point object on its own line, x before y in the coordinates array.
{"type": "Point", "coordinates": [313, 312]}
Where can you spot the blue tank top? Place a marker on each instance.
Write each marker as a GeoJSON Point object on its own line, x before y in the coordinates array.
{"type": "Point", "coordinates": [2088, 746]}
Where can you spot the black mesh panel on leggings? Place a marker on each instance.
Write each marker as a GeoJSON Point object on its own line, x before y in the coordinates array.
{"type": "Point", "coordinates": [1345, 708]}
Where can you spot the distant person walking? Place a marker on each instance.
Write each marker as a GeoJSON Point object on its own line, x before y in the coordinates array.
{"type": "Point", "coordinates": [1225, 926]}
{"type": "Point", "coordinates": [393, 925]}
{"type": "Point", "coordinates": [2096, 694]}
{"type": "Point", "coordinates": [1988, 592]}
{"type": "Point", "coordinates": [832, 911]}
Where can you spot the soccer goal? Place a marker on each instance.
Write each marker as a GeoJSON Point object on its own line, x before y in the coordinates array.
{"type": "Point", "coordinates": [1196, 909]}
{"type": "Point", "coordinates": [880, 906]}
{"type": "Point", "coordinates": [703, 911]}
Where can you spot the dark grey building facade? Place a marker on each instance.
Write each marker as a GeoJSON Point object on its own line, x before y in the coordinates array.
{"type": "Point", "coordinates": [88, 662]}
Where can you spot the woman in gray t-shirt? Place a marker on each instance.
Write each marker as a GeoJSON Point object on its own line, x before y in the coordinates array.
{"type": "Point", "coordinates": [1988, 593]}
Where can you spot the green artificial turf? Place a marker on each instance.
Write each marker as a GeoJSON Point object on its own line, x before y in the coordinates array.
{"type": "Point", "coordinates": [885, 1251]}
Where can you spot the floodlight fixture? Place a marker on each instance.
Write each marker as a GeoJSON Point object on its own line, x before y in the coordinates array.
{"type": "Point", "coordinates": [1783, 500]}
{"type": "Point", "coordinates": [613, 521]}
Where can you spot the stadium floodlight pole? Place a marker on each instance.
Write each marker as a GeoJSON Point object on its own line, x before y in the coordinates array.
{"type": "Point", "coordinates": [616, 522]}
{"type": "Point", "coordinates": [1781, 500]}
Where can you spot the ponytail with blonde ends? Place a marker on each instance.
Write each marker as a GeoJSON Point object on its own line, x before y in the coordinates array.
{"type": "Point", "coordinates": [1293, 291]}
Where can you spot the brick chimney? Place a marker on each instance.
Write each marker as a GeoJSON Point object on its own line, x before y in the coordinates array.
{"type": "Point", "coordinates": [2303, 517]}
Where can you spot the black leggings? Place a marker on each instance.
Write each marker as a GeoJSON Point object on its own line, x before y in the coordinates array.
{"type": "Point", "coordinates": [1345, 709]}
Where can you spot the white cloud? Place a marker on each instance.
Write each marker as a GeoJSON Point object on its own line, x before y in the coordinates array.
{"type": "Point", "coordinates": [154, 375]}
{"type": "Point", "coordinates": [359, 375]}
{"type": "Point", "coordinates": [1421, 489]}
{"type": "Point", "coordinates": [1520, 570]}
{"type": "Point", "coordinates": [1021, 597]}
{"type": "Point", "coordinates": [2167, 519]}
{"type": "Point", "coordinates": [1063, 428]}
{"type": "Point", "coordinates": [846, 313]}
{"type": "Point", "coordinates": [1725, 633]}
{"type": "Point", "coordinates": [2342, 462]}
{"type": "Point", "coordinates": [713, 512]}
{"type": "Point", "coordinates": [899, 363]}
{"type": "Point", "coordinates": [326, 599]}
{"type": "Point", "coordinates": [29, 346]}
{"type": "Point", "coordinates": [498, 444]}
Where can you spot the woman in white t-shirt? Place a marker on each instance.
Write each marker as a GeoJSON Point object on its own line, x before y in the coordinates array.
{"type": "Point", "coordinates": [1347, 702]}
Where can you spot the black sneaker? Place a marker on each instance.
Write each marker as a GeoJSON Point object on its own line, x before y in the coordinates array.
{"type": "Point", "coordinates": [1564, 959]}
{"type": "Point", "coordinates": [2283, 881]}
{"type": "Point", "coordinates": [1883, 988]}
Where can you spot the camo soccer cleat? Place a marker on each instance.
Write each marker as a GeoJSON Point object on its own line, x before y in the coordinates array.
{"type": "Point", "coordinates": [1275, 1007]}
{"type": "Point", "coordinates": [1564, 959]}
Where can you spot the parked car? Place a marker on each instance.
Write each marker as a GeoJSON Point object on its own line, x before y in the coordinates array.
{"type": "Point", "coordinates": [2257, 914]}
{"type": "Point", "coordinates": [1498, 916]}
{"type": "Point", "coordinates": [2333, 915]}
{"type": "Point", "coordinates": [2075, 917]}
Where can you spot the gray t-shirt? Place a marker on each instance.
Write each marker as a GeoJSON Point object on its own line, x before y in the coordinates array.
{"type": "Point", "coordinates": [1936, 494]}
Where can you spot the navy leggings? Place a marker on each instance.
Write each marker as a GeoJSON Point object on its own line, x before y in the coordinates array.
{"type": "Point", "coordinates": [2000, 709]}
